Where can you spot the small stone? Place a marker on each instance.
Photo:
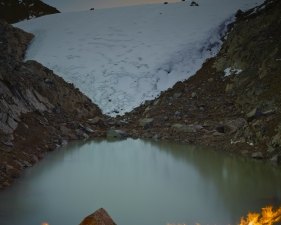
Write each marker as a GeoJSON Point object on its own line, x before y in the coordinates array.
{"type": "Point", "coordinates": [177, 126]}
{"type": "Point", "coordinates": [6, 184]}
{"type": "Point", "coordinates": [165, 118]}
{"type": "Point", "coordinates": [257, 155]}
{"type": "Point", "coordinates": [254, 114]}
{"type": "Point", "coordinates": [177, 95]}
{"type": "Point", "coordinates": [48, 81]}
{"type": "Point", "coordinates": [148, 102]}
{"type": "Point", "coordinates": [8, 168]}
{"type": "Point", "coordinates": [210, 80]}
{"type": "Point", "coordinates": [238, 13]}
{"type": "Point", "coordinates": [85, 136]}
{"type": "Point", "coordinates": [56, 110]}
{"type": "Point", "coordinates": [146, 122]}
{"type": "Point", "coordinates": [111, 133]}
{"type": "Point", "coordinates": [194, 95]}
{"type": "Point", "coordinates": [9, 144]}
{"type": "Point", "coordinates": [177, 113]}
{"type": "Point", "coordinates": [156, 102]}
{"type": "Point", "coordinates": [34, 159]}
{"type": "Point", "coordinates": [275, 158]}
{"type": "Point", "coordinates": [155, 136]}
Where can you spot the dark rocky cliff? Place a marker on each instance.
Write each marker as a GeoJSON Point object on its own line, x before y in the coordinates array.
{"type": "Point", "coordinates": [14, 11]}
{"type": "Point", "coordinates": [36, 106]}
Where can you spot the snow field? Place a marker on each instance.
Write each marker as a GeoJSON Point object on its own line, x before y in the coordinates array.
{"type": "Point", "coordinates": [120, 57]}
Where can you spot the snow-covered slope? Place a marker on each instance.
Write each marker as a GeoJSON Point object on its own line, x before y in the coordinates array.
{"type": "Point", "coordinates": [120, 57]}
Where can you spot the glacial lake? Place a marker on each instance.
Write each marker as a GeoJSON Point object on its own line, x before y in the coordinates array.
{"type": "Point", "coordinates": [140, 182]}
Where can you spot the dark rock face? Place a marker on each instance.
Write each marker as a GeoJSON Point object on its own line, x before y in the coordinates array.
{"type": "Point", "coordinates": [14, 11]}
{"type": "Point", "coordinates": [254, 47]}
{"type": "Point", "coordinates": [36, 106]}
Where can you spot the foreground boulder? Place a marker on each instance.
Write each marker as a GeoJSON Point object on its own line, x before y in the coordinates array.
{"type": "Point", "coordinates": [99, 217]}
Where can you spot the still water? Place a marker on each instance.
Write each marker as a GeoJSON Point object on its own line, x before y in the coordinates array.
{"type": "Point", "coordinates": [142, 183]}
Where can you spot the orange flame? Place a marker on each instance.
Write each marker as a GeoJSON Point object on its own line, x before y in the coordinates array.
{"type": "Point", "coordinates": [266, 217]}
{"type": "Point", "coordinates": [44, 223]}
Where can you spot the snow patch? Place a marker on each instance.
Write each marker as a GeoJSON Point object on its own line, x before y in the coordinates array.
{"type": "Point", "coordinates": [120, 57]}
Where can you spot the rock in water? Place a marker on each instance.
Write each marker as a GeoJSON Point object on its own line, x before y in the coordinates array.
{"type": "Point", "coordinates": [99, 217]}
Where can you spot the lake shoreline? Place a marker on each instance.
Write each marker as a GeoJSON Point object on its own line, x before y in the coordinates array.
{"type": "Point", "coordinates": [238, 113]}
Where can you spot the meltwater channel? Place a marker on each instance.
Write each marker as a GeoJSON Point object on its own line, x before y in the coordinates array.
{"type": "Point", "coordinates": [140, 182]}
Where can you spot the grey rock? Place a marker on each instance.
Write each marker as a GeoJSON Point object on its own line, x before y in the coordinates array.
{"type": "Point", "coordinates": [257, 155]}
{"type": "Point", "coordinates": [122, 123]}
{"type": "Point", "coordinates": [194, 95]}
{"type": "Point", "coordinates": [155, 136]}
{"type": "Point", "coordinates": [89, 130]}
{"type": "Point", "coordinates": [148, 102]}
{"type": "Point", "coordinates": [146, 122]}
{"type": "Point", "coordinates": [9, 144]}
{"type": "Point", "coordinates": [238, 13]}
{"type": "Point", "coordinates": [111, 133]}
{"type": "Point", "coordinates": [8, 168]}
{"type": "Point", "coordinates": [26, 164]}
{"type": "Point", "coordinates": [254, 114]}
{"type": "Point", "coordinates": [85, 136]}
{"type": "Point", "coordinates": [156, 102]}
{"type": "Point", "coordinates": [56, 110]}
{"type": "Point", "coordinates": [177, 126]}
{"type": "Point", "coordinates": [177, 113]}
{"type": "Point", "coordinates": [187, 128]}
{"type": "Point", "coordinates": [234, 125]}
{"type": "Point", "coordinates": [48, 81]}
{"type": "Point", "coordinates": [63, 142]}
{"type": "Point", "coordinates": [165, 118]}
{"type": "Point", "coordinates": [177, 95]}
{"type": "Point", "coordinates": [275, 158]}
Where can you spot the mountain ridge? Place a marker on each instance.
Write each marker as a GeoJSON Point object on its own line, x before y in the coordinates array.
{"type": "Point", "coordinates": [14, 11]}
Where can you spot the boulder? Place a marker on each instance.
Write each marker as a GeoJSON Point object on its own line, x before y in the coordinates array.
{"type": "Point", "coordinates": [99, 217]}
{"type": "Point", "coordinates": [274, 158]}
{"type": "Point", "coordinates": [257, 155]}
{"type": "Point", "coordinates": [177, 95]}
{"type": "Point", "coordinates": [98, 121]}
{"type": "Point", "coordinates": [234, 125]}
{"type": "Point", "coordinates": [254, 114]}
{"type": "Point", "coordinates": [111, 133]}
{"type": "Point", "coordinates": [238, 13]}
{"type": "Point", "coordinates": [146, 122]}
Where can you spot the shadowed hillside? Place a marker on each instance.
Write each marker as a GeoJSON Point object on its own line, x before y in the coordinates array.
{"type": "Point", "coordinates": [14, 11]}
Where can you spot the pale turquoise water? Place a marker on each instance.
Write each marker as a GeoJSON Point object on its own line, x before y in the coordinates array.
{"type": "Point", "coordinates": [140, 183]}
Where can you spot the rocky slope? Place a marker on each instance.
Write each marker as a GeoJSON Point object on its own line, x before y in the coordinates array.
{"type": "Point", "coordinates": [14, 11]}
{"type": "Point", "coordinates": [232, 103]}
{"type": "Point", "coordinates": [221, 106]}
{"type": "Point", "coordinates": [35, 107]}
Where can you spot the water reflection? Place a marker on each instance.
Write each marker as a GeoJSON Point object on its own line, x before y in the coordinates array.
{"type": "Point", "coordinates": [140, 182]}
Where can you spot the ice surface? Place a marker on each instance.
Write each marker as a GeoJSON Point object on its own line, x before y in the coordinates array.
{"type": "Point", "coordinates": [120, 57]}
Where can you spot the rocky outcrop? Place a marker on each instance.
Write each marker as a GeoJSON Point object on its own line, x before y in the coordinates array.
{"type": "Point", "coordinates": [14, 11]}
{"type": "Point", "coordinates": [29, 87]}
{"type": "Point", "coordinates": [99, 217]}
{"type": "Point", "coordinates": [37, 108]}
{"type": "Point", "coordinates": [253, 47]}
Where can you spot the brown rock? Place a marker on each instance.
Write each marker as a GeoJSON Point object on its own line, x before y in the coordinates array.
{"type": "Point", "coordinates": [99, 217]}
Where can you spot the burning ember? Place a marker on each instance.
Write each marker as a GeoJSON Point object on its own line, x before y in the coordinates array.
{"type": "Point", "coordinates": [267, 217]}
